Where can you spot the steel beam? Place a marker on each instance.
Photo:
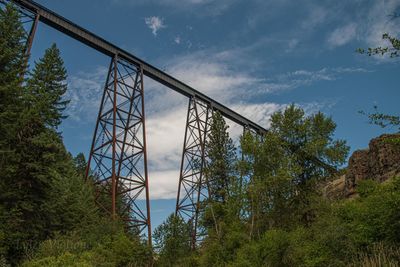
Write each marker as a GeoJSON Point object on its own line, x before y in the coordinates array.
{"type": "Point", "coordinates": [73, 30]}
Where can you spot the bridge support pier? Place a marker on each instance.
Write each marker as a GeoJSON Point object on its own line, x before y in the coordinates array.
{"type": "Point", "coordinates": [31, 35]}
{"type": "Point", "coordinates": [193, 189]}
{"type": "Point", "coordinates": [117, 162]}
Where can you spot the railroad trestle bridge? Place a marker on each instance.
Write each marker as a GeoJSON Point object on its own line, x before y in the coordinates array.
{"type": "Point", "coordinates": [118, 155]}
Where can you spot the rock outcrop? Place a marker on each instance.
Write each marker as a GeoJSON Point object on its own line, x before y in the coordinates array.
{"type": "Point", "coordinates": [380, 162]}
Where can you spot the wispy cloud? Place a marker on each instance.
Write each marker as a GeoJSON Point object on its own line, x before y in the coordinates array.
{"type": "Point", "coordinates": [317, 16]}
{"type": "Point", "coordinates": [303, 78]}
{"type": "Point", "coordinates": [342, 35]}
{"type": "Point", "coordinates": [211, 76]}
{"type": "Point", "coordinates": [155, 24]}
{"type": "Point", "coordinates": [366, 24]}
{"type": "Point", "coordinates": [307, 77]}
{"type": "Point", "coordinates": [84, 91]}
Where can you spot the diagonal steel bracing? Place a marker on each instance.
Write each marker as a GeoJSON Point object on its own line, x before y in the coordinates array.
{"type": "Point", "coordinates": [193, 189]}
{"type": "Point", "coordinates": [118, 161]}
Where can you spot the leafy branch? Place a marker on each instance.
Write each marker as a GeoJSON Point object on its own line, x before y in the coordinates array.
{"type": "Point", "coordinates": [382, 120]}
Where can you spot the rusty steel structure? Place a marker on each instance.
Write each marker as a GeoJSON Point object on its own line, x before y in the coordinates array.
{"type": "Point", "coordinates": [193, 186]}
{"type": "Point", "coordinates": [118, 156]}
{"type": "Point", "coordinates": [118, 159]}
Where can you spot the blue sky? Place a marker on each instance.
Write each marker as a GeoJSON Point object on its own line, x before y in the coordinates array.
{"type": "Point", "coordinates": [256, 56]}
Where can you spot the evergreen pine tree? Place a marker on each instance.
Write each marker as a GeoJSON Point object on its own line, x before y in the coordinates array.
{"type": "Point", "coordinates": [172, 241]}
{"type": "Point", "coordinates": [41, 192]}
{"type": "Point", "coordinates": [220, 150]}
{"type": "Point", "coordinates": [12, 50]}
{"type": "Point", "coordinates": [80, 165]}
{"type": "Point", "coordinates": [220, 174]}
{"type": "Point", "coordinates": [47, 87]}
{"type": "Point", "coordinates": [12, 56]}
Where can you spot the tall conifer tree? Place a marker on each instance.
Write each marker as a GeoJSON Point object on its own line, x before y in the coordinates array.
{"type": "Point", "coordinates": [12, 56]}
{"type": "Point", "coordinates": [48, 86]}
{"type": "Point", "coordinates": [12, 69]}
{"type": "Point", "coordinates": [221, 154]}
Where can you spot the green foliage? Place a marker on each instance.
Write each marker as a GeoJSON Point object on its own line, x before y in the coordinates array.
{"type": "Point", "coordinates": [221, 248]}
{"type": "Point", "coordinates": [39, 185]}
{"type": "Point", "coordinates": [309, 137]}
{"type": "Point", "coordinates": [220, 168]}
{"type": "Point", "coordinates": [48, 214]}
{"type": "Point", "coordinates": [350, 231]}
{"type": "Point", "coordinates": [393, 48]}
{"type": "Point", "coordinates": [47, 87]}
{"type": "Point", "coordinates": [12, 50]}
{"type": "Point", "coordinates": [375, 215]}
{"type": "Point", "coordinates": [325, 242]}
{"type": "Point", "coordinates": [115, 250]}
{"type": "Point", "coordinates": [382, 120]}
{"type": "Point", "coordinates": [80, 165]}
{"type": "Point", "coordinates": [285, 168]}
{"type": "Point", "coordinates": [171, 240]}
{"type": "Point", "coordinates": [286, 221]}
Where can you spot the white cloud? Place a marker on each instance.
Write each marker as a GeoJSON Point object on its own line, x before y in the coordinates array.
{"type": "Point", "coordinates": [85, 90]}
{"type": "Point", "coordinates": [155, 24]}
{"type": "Point", "coordinates": [307, 76]}
{"type": "Point", "coordinates": [342, 35]}
{"type": "Point", "coordinates": [165, 132]}
{"type": "Point", "coordinates": [212, 77]}
{"type": "Point", "coordinates": [163, 184]}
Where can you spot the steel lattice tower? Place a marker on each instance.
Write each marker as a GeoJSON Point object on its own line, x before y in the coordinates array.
{"type": "Point", "coordinates": [193, 187]}
{"type": "Point", "coordinates": [118, 160]}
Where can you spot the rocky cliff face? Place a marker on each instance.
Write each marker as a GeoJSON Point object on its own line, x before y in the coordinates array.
{"type": "Point", "coordinates": [381, 161]}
